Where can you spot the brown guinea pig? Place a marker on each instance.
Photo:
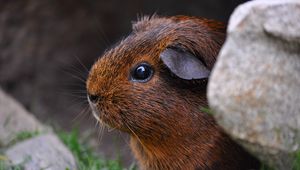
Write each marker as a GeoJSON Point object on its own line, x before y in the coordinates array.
{"type": "Point", "coordinates": [152, 85]}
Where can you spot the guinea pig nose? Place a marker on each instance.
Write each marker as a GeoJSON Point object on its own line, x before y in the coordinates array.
{"type": "Point", "coordinates": [93, 98]}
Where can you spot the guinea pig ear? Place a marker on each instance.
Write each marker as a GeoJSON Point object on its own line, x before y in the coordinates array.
{"type": "Point", "coordinates": [184, 64]}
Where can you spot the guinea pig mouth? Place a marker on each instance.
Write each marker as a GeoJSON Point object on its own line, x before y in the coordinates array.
{"type": "Point", "coordinates": [103, 117]}
{"type": "Point", "coordinates": [94, 110]}
{"type": "Point", "coordinates": [98, 114]}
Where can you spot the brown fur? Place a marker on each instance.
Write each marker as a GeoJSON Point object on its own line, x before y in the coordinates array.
{"type": "Point", "coordinates": [163, 116]}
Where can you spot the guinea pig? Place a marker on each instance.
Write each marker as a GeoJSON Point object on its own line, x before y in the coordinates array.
{"type": "Point", "coordinates": [152, 85]}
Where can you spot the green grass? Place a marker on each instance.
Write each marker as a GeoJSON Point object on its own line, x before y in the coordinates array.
{"type": "Point", "coordinates": [295, 166]}
{"type": "Point", "coordinates": [86, 159]}
{"type": "Point", "coordinates": [265, 167]}
{"type": "Point", "coordinates": [296, 163]}
{"type": "Point", "coordinates": [207, 110]}
{"type": "Point", "coordinates": [5, 164]}
{"type": "Point", "coordinates": [23, 135]}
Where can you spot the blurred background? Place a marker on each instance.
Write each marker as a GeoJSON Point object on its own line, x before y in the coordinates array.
{"type": "Point", "coordinates": [48, 46]}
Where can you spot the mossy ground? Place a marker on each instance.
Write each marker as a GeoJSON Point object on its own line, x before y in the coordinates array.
{"type": "Point", "coordinates": [86, 159]}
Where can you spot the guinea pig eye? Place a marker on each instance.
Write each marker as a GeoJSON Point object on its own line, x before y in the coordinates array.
{"type": "Point", "coordinates": [142, 73]}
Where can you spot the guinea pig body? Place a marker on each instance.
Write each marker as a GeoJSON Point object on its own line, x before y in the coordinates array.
{"type": "Point", "coordinates": [152, 85]}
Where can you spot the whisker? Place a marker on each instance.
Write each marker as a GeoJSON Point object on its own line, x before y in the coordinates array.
{"type": "Point", "coordinates": [72, 85]}
{"type": "Point", "coordinates": [101, 33]}
{"type": "Point", "coordinates": [80, 62]}
{"type": "Point", "coordinates": [73, 95]}
{"type": "Point", "coordinates": [123, 138]}
{"type": "Point", "coordinates": [81, 73]}
{"type": "Point", "coordinates": [81, 115]}
{"type": "Point", "coordinates": [68, 90]}
{"type": "Point", "coordinates": [79, 101]}
{"type": "Point", "coordinates": [110, 129]}
{"type": "Point", "coordinates": [77, 77]}
{"type": "Point", "coordinates": [77, 91]}
{"type": "Point", "coordinates": [135, 134]}
{"type": "Point", "coordinates": [75, 72]}
{"type": "Point", "coordinates": [100, 130]}
{"type": "Point", "coordinates": [76, 103]}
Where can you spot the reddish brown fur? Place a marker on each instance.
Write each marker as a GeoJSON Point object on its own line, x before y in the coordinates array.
{"type": "Point", "coordinates": [163, 117]}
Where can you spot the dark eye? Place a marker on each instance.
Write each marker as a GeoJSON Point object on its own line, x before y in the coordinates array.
{"type": "Point", "coordinates": [142, 73]}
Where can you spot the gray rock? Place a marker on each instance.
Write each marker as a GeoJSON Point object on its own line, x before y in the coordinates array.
{"type": "Point", "coordinates": [254, 88]}
{"type": "Point", "coordinates": [43, 152]}
{"type": "Point", "coordinates": [14, 119]}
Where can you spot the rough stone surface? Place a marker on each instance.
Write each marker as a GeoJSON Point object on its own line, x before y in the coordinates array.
{"type": "Point", "coordinates": [43, 152]}
{"type": "Point", "coordinates": [15, 119]}
{"type": "Point", "coordinates": [254, 89]}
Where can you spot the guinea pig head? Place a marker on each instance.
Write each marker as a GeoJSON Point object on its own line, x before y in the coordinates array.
{"type": "Point", "coordinates": [153, 82]}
